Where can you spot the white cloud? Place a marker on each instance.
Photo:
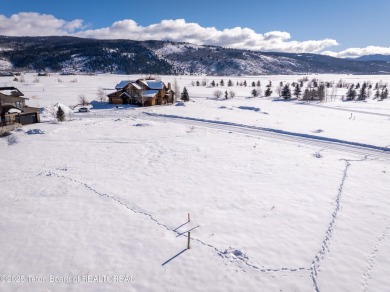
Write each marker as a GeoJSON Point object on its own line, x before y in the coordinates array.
{"type": "Point", "coordinates": [180, 30]}
{"type": "Point", "coordinates": [358, 52]}
{"type": "Point", "coordinates": [35, 24]}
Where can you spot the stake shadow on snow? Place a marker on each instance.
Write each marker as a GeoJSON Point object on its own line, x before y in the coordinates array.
{"type": "Point", "coordinates": [175, 256]}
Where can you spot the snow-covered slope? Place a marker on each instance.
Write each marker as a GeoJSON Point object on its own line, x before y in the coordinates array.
{"type": "Point", "coordinates": [165, 57]}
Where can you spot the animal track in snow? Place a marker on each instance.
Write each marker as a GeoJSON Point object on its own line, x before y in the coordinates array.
{"type": "Point", "coordinates": [372, 258]}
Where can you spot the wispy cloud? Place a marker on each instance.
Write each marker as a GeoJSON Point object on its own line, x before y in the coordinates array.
{"type": "Point", "coordinates": [35, 24]}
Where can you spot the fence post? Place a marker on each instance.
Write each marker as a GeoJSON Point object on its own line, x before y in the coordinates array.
{"type": "Point", "coordinates": [189, 238]}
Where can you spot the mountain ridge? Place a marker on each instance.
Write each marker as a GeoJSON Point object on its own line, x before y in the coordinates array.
{"type": "Point", "coordinates": [76, 55]}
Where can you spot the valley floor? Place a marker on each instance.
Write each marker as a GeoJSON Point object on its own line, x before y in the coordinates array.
{"type": "Point", "coordinates": [282, 196]}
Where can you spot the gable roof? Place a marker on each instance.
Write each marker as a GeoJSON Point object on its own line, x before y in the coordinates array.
{"type": "Point", "coordinates": [136, 85]}
{"type": "Point", "coordinates": [153, 84]}
{"type": "Point", "coordinates": [122, 84]}
{"type": "Point", "coordinates": [149, 93]}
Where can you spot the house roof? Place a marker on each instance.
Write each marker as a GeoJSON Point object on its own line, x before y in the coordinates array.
{"type": "Point", "coordinates": [8, 88]}
{"type": "Point", "coordinates": [122, 84]}
{"type": "Point", "coordinates": [126, 94]}
{"type": "Point", "coordinates": [11, 91]}
{"type": "Point", "coordinates": [15, 111]}
{"type": "Point", "coordinates": [136, 85]}
{"type": "Point", "coordinates": [149, 93]}
{"type": "Point", "coordinates": [12, 109]}
{"type": "Point", "coordinates": [112, 94]}
{"type": "Point", "coordinates": [153, 84]}
{"type": "Point", "coordinates": [30, 109]}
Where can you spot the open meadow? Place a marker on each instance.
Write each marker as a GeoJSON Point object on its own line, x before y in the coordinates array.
{"type": "Point", "coordinates": [282, 195]}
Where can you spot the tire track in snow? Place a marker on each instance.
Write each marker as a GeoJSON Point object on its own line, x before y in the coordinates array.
{"type": "Point", "coordinates": [224, 254]}
{"type": "Point", "coordinates": [349, 110]}
{"type": "Point", "coordinates": [372, 258]}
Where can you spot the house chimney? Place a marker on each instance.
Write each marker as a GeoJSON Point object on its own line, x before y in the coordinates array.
{"type": "Point", "coordinates": [169, 86]}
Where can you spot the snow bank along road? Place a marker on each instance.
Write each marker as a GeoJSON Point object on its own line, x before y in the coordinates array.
{"type": "Point", "coordinates": [324, 142]}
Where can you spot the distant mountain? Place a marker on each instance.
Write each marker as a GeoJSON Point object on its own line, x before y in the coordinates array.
{"type": "Point", "coordinates": [377, 57]}
{"type": "Point", "coordinates": [75, 55]}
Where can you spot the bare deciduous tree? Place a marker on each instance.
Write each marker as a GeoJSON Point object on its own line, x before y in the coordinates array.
{"type": "Point", "coordinates": [83, 100]}
{"type": "Point", "coordinates": [279, 90]}
{"type": "Point", "coordinates": [101, 96]}
{"type": "Point", "coordinates": [232, 94]}
{"type": "Point", "coordinates": [176, 89]}
{"type": "Point", "coordinates": [218, 93]}
{"type": "Point", "coordinates": [259, 91]}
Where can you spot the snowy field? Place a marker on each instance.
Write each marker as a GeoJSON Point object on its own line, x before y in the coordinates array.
{"type": "Point", "coordinates": [283, 196]}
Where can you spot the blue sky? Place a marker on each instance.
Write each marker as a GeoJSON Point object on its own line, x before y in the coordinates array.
{"type": "Point", "coordinates": [300, 26]}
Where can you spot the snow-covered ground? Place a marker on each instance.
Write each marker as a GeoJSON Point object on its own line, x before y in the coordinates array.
{"type": "Point", "coordinates": [283, 196]}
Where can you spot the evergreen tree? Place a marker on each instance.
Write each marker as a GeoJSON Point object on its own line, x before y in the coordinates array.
{"type": "Point", "coordinates": [258, 83]}
{"type": "Point", "coordinates": [306, 94]}
{"type": "Point", "coordinates": [377, 93]}
{"type": "Point", "coordinates": [363, 92]}
{"type": "Point", "coordinates": [254, 93]}
{"type": "Point", "coordinates": [245, 83]}
{"type": "Point", "coordinates": [321, 92]}
{"type": "Point", "coordinates": [253, 84]}
{"type": "Point", "coordinates": [197, 83]}
{"type": "Point", "coordinates": [286, 92]}
{"type": "Point", "coordinates": [268, 91]}
{"type": "Point", "coordinates": [222, 83]}
{"type": "Point", "coordinates": [230, 83]}
{"type": "Point", "coordinates": [226, 94]}
{"type": "Point", "coordinates": [351, 93]}
{"type": "Point", "coordinates": [313, 93]}
{"type": "Point", "coordinates": [297, 91]}
{"type": "Point", "coordinates": [384, 93]}
{"type": "Point", "coordinates": [60, 115]}
{"type": "Point", "coordinates": [213, 83]}
{"type": "Point", "coordinates": [184, 95]}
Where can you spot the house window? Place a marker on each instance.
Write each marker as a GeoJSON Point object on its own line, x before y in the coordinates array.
{"type": "Point", "coordinates": [18, 104]}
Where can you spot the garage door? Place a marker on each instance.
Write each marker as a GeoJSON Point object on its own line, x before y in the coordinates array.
{"type": "Point", "coordinates": [28, 119]}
